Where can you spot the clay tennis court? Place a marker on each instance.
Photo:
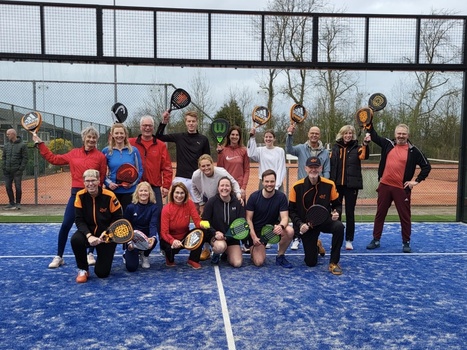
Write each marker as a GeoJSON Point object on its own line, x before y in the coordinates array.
{"type": "Point", "coordinates": [440, 188]}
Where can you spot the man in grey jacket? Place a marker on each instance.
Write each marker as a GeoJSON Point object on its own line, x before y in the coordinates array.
{"type": "Point", "coordinates": [15, 158]}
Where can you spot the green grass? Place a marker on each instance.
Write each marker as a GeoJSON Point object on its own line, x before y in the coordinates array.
{"type": "Point", "coordinates": [359, 218]}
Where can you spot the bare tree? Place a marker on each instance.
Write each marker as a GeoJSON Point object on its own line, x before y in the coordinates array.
{"type": "Point", "coordinates": [200, 93]}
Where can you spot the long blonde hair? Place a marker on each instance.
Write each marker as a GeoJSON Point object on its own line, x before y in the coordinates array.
{"type": "Point", "coordinates": [112, 142]}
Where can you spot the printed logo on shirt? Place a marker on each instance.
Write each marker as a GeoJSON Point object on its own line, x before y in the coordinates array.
{"type": "Point", "coordinates": [230, 158]}
{"type": "Point", "coordinates": [322, 196]}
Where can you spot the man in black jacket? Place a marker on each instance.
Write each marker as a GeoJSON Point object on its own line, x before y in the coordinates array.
{"type": "Point", "coordinates": [15, 158]}
{"type": "Point", "coordinates": [399, 157]}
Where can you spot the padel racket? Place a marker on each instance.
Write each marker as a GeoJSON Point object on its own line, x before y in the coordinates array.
{"type": "Point", "coordinates": [193, 240]}
{"type": "Point", "coordinates": [268, 236]}
{"type": "Point", "coordinates": [316, 215]}
{"type": "Point", "coordinates": [260, 116]}
{"type": "Point", "coordinates": [126, 174]}
{"type": "Point", "coordinates": [377, 102]}
{"type": "Point", "coordinates": [31, 122]}
{"type": "Point", "coordinates": [179, 99]}
{"type": "Point", "coordinates": [119, 112]}
{"type": "Point", "coordinates": [120, 231]}
{"type": "Point", "coordinates": [141, 241]}
{"type": "Point", "coordinates": [298, 114]}
{"type": "Point", "coordinates": [238, 229]}
{"type": "Point", "coordinates": [220, 128]}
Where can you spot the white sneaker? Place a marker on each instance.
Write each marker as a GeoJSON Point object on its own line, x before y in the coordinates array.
{"type": "Point", "coordinates": [91, 260]}
{"type": "Point", "coordinates": [295, 244]}
{"type": "Point", "coordinates": [348, 245]}
{"type": "Point", "coordinates": [268, 246]}
{"type": "Point", "coordinates": [56, 262]}
{"type": "Point", "coordinates": [145, 264]}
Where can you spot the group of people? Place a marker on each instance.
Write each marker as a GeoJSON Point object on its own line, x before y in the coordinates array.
{"type": "Point", "coordinates": [203, 191]}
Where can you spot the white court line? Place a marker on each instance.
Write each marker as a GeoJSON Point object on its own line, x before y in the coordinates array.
{"type": "Point", "coordinates": [225, 311]}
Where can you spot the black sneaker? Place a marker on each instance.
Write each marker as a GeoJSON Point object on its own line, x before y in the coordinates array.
{"type": "Point", "coordinates": [373, 244]}
{"type": "Point", "coordinates": [282, 261]}
{"type": "Point", "coordinates": [215, 258]}
{"type": "Point", "coordinates": [406, 247]}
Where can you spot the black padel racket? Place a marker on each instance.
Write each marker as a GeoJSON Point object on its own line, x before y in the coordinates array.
{"type": "Point", "coordinates": [260, 115]}
{"type": "Point", "coordinates": [219, 129]}
{"type": "Point", "coordinates": [298, 114]}
{"type": "Point", "coordinates": [126, 174]}
{"type": "Point", "coordinates": [120, 231]}
{"type": "Point", "coordinates": [238, 229]}
{"type": "Point", "coordinates": [268, 235]}
{"type": "Point", "coordinates": [377, 101]}
{"type": "Point", "coordinates": [193, 240]}
{"type": "Point", "coordinates": [179, 99]}
{"type": "Point", "coordinates": [119, 112]}
{"type": "Point", "coordinates": [316, 215]}
{"type": "Point", "coordinates": [31, 121]}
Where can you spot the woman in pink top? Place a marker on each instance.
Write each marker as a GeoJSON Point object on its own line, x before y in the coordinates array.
{"type": "Point", "coordinates": [175, 225]}
{"type": "Point", "coordinates": [233, 157]}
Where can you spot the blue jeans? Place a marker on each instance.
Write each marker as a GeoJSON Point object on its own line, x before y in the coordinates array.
{"type": "Point", "coordinates": [67, 223]}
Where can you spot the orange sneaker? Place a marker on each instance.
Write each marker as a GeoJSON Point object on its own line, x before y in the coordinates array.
{"type": "Point", "coordinates": [335, 269]}
{"type": "Point", "coordinates": [82, 276]}
{"type": "Point", "coordinates": [205, 254]}
{"type": "Point", "coordinates": [321, 249]}
{"type": "Point", "coordinates": [193, 264]}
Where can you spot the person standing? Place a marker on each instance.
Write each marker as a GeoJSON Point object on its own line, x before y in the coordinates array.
{"type": "Point", "coordinates": [95, 209]}
{"type": "Point", "coordinates": [268, 157]}
{"type": "Point", "coordinates": [119, 152]}
{"type": "Point", "coordinates": [269, 206]}
{"type": "Point", "coordinates": [79, 159]}
{"type": "Point", "coordinates": [190, 145]}
{"type": "Point", "coordinates": [346, 172]}
{"type": "Point", "coordinates": [312, 147]}
{"type": "Point", "coordinates": [233, 157]}
{"type": "Point", "coordinates": [314, 189]}
{"type": "Point", "coordinates": [157, 166]}
{"type": "Point", "coordinates": [399, 158]}
{"type": "Point", "coordinates": [15, 159]}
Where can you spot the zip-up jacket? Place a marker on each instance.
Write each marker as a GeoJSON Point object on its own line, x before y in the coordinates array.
{"type": "Point", "coordinates": [95, 214]}
{"type": "Point", "coordinates": [304, 151]}
{"type": "Point", "coordinates": [157, 166]}
{"type": "Point", "coordinates": [346, 167]}
{"type": "Point", "coordinates": [303, 195]}
{"type": "Point", "coordinates": [15, 156]}
{"type": "Point", "coordinates": [221, 214]}
{"type": "Point", "coordinates": [414, 158]}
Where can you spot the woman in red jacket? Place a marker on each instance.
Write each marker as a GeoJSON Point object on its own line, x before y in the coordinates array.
{"type": "Point", "coordinates": [79, 159]}
{"type": "Point", "coordinates": [175, 225]}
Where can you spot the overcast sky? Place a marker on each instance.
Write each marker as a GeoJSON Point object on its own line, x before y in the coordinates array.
{"type": "Point", "coordinates": [230, 78]}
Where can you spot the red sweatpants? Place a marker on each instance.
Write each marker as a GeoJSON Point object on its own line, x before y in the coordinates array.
{"type": "Point", "coordinates": [401, 197]}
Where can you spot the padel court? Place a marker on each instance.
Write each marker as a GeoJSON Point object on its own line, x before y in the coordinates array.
{"type": "Point", "coordinates": [384, 300]}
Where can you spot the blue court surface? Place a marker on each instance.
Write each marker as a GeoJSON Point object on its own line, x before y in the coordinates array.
{"type": "Point", "coordinates": [384, 300]}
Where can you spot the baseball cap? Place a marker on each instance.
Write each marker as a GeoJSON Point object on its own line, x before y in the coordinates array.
{"type": "Point", "coordinates": [313, 162]}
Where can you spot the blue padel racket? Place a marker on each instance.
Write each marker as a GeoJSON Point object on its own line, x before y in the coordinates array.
{"type": "Point", "coordinates": [268, 236]}
{"type": "Point", "coordinates": [239, 229]}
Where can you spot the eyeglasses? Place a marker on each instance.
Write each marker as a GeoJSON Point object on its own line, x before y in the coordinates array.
{"type": "Point", "coordinates": [147, 126]}
{"type": "Point", "coordinates": [90, 181]}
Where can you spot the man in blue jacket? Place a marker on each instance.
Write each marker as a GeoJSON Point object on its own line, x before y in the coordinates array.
{"type": "Point", "coordinates": [399, 157]}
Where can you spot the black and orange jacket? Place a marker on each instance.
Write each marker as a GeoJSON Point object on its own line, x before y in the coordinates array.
{"type": "Point", "coordinates": [346, 168]}
{"type": "Point", "coordinates": [303, 195]}
{"type": "Point", "coordinates": [95, 214]}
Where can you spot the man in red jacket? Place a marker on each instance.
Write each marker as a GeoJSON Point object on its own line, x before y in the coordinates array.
{"type": "Point", "coordinates": [155, 157]}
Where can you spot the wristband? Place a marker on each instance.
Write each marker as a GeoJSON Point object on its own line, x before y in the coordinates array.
{"type": "Point", "coordinates": [88, 235]}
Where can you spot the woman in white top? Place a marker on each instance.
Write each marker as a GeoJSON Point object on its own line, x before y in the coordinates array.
{"type": "Point", "coordinates": [268, 156]}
